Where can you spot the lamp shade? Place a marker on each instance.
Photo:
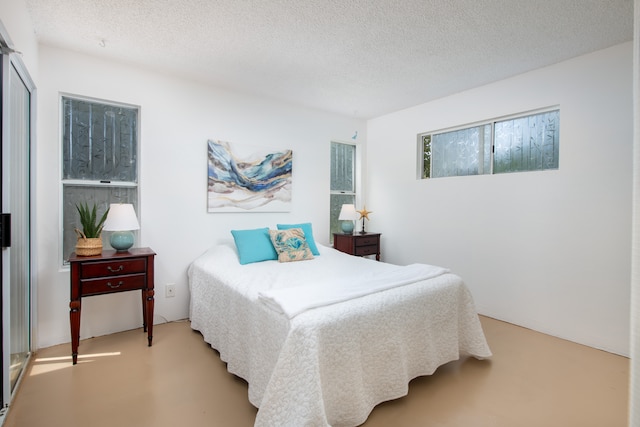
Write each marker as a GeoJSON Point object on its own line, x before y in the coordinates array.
{"type": "Point", "coordinates": [348, 213]}
{"type": "Point", "coordinates": [121, 217]}
{"type": "Point", "coordinates": [121, 220]}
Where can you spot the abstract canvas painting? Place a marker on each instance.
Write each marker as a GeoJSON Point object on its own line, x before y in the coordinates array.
{"type": "Point", "coordinates": [248, 179]}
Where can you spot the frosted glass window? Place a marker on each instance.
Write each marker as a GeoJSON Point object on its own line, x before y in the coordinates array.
{"type": "Point", "coordinates": [522, 143]}
{"type": "Point", "coordinates": [99, 141]}
{"type": "Point", "coordinates": [343, 182]}
{"type": "Point", "coordinates": [343, 161]}
{"type": "Point", "coordinates": [99, 161]}
{"type": "Point", "coordinates": [336, 202]}
{"type": "Point", "coordinates": [102, 196]}
{"type": "Point", "coordinates": [527, 143]}
{"type": "Point", "coordinates": [461, 152]}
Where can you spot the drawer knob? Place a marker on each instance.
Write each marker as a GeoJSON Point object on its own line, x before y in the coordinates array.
{"type": "Point", "coordinates": [112, 270]}
{"type": "Point", "coordinates": [117, 285]}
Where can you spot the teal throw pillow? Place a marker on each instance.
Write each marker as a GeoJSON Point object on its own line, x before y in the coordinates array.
{"type": "Point", "coordinates": [254, 245]}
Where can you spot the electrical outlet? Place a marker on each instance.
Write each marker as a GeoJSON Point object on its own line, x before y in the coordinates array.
{"type": "Point", "coordinates": [170, 290]}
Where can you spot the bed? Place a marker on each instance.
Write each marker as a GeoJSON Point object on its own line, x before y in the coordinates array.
{"type": "Point", "coordinates": [329, 363]}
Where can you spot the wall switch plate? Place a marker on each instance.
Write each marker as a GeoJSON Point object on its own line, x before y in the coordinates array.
{"type": "Point", "coordinates": [170, 290]}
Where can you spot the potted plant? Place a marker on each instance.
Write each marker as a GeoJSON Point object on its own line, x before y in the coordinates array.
{"type": "Point", "coordinates": [89, 239]}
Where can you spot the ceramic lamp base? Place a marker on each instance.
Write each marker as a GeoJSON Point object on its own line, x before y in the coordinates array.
{"type": "Point", "coordinates": [347, 227]}
{"type": "Point", "coordinates": [121, 240]}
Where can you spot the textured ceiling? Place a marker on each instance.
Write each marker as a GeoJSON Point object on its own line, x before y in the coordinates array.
{"type": "Point", "coordinates": [360, 58]}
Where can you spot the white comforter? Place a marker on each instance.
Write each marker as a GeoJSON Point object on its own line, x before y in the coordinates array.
{"type": "Point", "coordinates": [328, 365]}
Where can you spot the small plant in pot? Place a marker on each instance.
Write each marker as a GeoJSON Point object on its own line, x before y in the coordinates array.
{"type": "Point", "coordinates": [89, 239]}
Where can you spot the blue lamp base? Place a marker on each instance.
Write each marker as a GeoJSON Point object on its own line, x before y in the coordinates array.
{"type": "Point", "coordinates": [121, 240]}
{"type": "Point", "coordinates": [347, 227]}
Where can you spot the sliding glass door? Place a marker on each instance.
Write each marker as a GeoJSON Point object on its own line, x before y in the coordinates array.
{"type": "Point", "coordinates": [15, 221]}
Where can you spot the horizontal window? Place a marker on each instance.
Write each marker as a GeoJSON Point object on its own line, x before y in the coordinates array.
{"type": "Point", "coordinates": [521, 143]}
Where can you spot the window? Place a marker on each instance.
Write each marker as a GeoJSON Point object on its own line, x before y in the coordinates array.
{"type": "Point", "coordinates": [343, 181]}
{"type": "Point", "coordinates": [100, 160]}
{"type": "Point", "coordinates": [516, 144]}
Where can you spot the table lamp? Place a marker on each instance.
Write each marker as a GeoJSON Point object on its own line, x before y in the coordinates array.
{"type": "Point", "coordinates": [348, 215]}
{"type": "Point", "coordinates": [121, 220]}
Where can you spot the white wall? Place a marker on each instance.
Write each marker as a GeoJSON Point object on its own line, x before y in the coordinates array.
{"type": "Point", "coordinates": [177, 119]}
{"type": "Point", "coordinates": [545, 250]}
{"type": "Point", "coordinates": [16, 20]}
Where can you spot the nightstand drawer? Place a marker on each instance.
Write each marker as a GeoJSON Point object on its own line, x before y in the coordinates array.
{"type": "Point", "coordinates": [113, 284]}
{"type": "Point", "coordinates": [366, 250]}
{"type": "Point", "coordinates": [366, 241]}
{"type": "Point", "coordinates": [110, 268]}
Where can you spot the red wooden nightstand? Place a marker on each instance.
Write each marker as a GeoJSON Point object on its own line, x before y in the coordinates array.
{"type": "Point", "coordinates": [107, 273]}
{"type": "Point", "coordinates": [359, 244]}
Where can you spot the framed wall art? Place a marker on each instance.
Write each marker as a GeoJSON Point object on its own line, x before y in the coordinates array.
{"type": "Point", "coordinates": [248, 179]}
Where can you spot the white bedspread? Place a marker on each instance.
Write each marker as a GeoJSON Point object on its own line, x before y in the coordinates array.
{"type": "Point", "coordinates": [328, 365]}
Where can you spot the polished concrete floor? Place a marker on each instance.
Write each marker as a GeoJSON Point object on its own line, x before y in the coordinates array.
{"type": "Point", "coordinates": [532, 380]}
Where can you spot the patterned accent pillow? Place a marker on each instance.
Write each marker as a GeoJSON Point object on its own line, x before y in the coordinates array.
{"type": "Point", "coordinates": [290, 245]}
{"type": "Point", "coordinates": [307, 229]}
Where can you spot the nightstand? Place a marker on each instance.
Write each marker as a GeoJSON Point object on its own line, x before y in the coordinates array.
{"type": "Point", "coordinates": [359, 244]}
{"type": "Point", "coordinates": [107, 273]}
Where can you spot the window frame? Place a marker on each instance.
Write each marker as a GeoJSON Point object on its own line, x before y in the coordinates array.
{"type": "Point", "coordinates": [492, 124]}
{"type": "Point", "coordinates": [63, 259]}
